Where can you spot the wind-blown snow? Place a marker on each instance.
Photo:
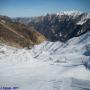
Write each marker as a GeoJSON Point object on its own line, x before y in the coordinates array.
{"type": "Point", "coordinates": [48, 66]}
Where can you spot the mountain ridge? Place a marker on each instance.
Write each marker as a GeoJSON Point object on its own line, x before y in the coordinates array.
{"type": "Point", "coordinates": [18, 34]}
{"type": "Point", "coordinates": [61, 26]}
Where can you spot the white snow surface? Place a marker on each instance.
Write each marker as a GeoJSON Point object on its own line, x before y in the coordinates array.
{"type": "Point", "coordinates": [48, 66]}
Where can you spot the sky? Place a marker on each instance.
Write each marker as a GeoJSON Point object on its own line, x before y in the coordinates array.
{"type": "Point", "coordinates": [29, 8]}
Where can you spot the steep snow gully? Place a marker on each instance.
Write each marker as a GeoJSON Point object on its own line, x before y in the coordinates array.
{"type": "Point", "coordinates": [48, 66]}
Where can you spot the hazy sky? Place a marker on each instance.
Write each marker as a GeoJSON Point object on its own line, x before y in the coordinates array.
{"type": "Point", "coordinates": [22, 8]}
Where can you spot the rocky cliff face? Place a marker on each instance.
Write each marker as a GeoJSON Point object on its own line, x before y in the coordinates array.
{"type": "Point", "coordinates": [61, 26]}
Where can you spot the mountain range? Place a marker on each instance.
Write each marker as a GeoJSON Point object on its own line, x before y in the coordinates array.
{"type": "Point", "coordinates": [61, 26]}
{"type": "Point", "coordinates": [52, 27]}
{"type": "Point", "coordinates": [58, 54]}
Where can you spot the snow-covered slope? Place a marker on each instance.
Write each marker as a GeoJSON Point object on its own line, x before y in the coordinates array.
{"type": "Point", "coordinates": [83, 19]}
{"type": "Point", "coordinates": [48, 66]}
{"type": "Point", "coordinates": [63, 52]}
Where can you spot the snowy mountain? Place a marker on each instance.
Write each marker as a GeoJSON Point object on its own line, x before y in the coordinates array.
{"type": "Point", "coordinates": [73, 13]}
{"type": "Point", "coordinates": [60, 26]}
{"type": "Point", "coordinates": [60, 62]}
{"type": "Point", "coordinates": [47, 66]}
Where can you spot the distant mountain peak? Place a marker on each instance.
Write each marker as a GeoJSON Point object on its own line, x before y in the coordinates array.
{"type": "Point", "coordinates": [72, 13]}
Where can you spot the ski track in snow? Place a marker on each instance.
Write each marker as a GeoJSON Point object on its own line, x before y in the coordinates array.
{"type": "Point", "coordinates": [48, 66]}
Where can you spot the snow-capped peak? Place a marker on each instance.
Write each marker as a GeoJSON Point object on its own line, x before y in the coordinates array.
{"type": "Point", "coordinates": [72, 13]}
{"type": "Point", "coordinates": [84, 19]}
